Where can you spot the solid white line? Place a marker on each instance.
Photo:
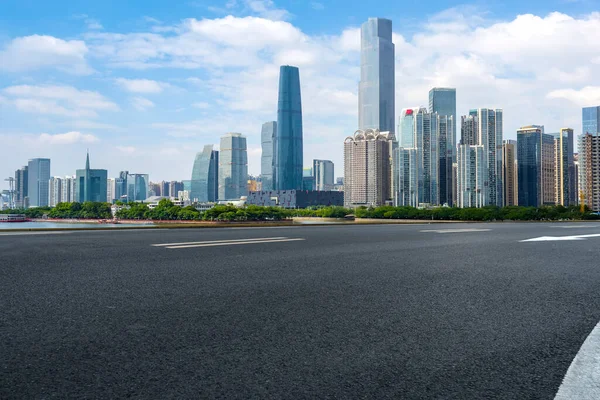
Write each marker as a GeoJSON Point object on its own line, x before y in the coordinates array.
{"type": "Point", "coordinates": [456, 230]}
{"type": "Point", "coordinates": [582, 380]}
{"type": "Point", "coordinates": [217, 241]}
{"type": "Point", "coordinates": [232, 243]}
{"type": "Point", "coordinates": [559, 238]}
{"type": "Point", "coordinates": [32, 233]}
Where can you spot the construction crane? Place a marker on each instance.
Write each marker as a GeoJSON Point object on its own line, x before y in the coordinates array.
{"type": "Point", "coordinates": [11, 192]}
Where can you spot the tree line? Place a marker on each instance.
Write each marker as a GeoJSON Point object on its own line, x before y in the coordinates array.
{"type": "Point", "coordinates": [167, 211]}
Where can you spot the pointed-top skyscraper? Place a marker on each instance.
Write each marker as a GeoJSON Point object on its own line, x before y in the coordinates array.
{"type": "Point", "coordinates": [288, 157]}
{"type": "Point", "coordinates": [90, 183]}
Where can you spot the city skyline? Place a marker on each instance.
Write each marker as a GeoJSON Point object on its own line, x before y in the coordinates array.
{"type": "Point", "coordinates": [155, 119]}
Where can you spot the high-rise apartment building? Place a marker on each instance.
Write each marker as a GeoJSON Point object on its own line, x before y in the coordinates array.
{"type": "Point", "coordinates": [21, 187]}
{"type": "Point", "coordinates": [536, 166]}
{"type": "Point", "coordinates": [91, 184]}
{"type": "Point", "coordinates": [233, 167]}
{"type": "Point", "coordinates": [55, 191]}
{"type": "Point", "coordinates": [68, 189]}
{"type": "Point", "coordinates": [288, 147]}
{"type": "Point", "coordinates": [509, 172]}
{"type": "Point", "coordinates": [367, 168]}
{"type": "Point", "coordinates": [446, 153]}
{"type": "Point", "coordinates": [589, 170]}
{"type": "Point", "coordinates": [376, 94]}
{"type": "Point", "coordinates": [565, 181]}
{"type": "Point", "coordinates": [427, 144]}
{"type": "Point", "coordinates": [267, 137]}
{"type": "Point", "coordinates": [471, 176]}
{"type": "Point", "coordinates": [205, 176]}
{"type": "Point", "coordinates": [111, 190]}
{"type": "Point", "coordinates": [38, 170]}
{"type": "Point", "coordinates": [469, 134]}
{"type": "Point", "coordinates": [406, 127]}
{"type": "Point", "coordinates": [323, 173]}
{"type": "Point", "coordinates": [406, 168]}
{"type": "Point", "coordinates": [490, 135]}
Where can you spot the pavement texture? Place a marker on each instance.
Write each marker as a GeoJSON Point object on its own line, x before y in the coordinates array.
{"type": "Point", "coordinates": [434, 311]}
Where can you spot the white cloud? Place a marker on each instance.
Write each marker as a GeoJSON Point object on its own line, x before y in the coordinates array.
{"type": "Point", "coordinates": [141, 85]}
{"type": "Point", "coordinates": [64, 101]}
{"type": "Point", "coordinates": [585, 97]}
{"type": "Point", "coordinates": [67, 138]}
{"type": "Point", "coordinates": [141, 103]}
{"type": "Point", "coordinates": [266, 9]}
{"type": "Point", "coordinates": [36, 51]}
{"type": "Point", "coordinates": [126, 149]}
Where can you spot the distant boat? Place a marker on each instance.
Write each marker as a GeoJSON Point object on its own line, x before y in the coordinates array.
{"type": "Point", "coordinates": [14, 218]}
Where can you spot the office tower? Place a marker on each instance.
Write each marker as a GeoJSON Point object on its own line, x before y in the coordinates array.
{"type": "Point", "coordinates": [137, 187]}
{"type": "Point", "coordinates": [308, 180]}
{"type": "Point", "coordinates": [469, 134]}
{"type": "Point", "coordinates": [267, 136]}
{"type": "Point", "coordinates": [174, 188]}
{"type": "Point", "coordinates": [446, 150]}
{"type": "Point", "coordinates": [536, 172]}
{"type": "Point", "coordinates": [471, 176]}
{"type": "Point", "coordinates": [490, 132]}
{"type": "Point", "coordinates": [406, 127]}
{"type": "Point", "coordinates": [68, 189]}
{"type": "Point", "coordinates": [110, 190]}
{"type": "Point", "coordinates": [288, 155]}
{"type": "Point", "coordinates": [164, 189]}
{"type": "Point", "coordinates": [565, 182]}
{"type": "Point", "coordinates": [233, 167]}
{"type": "Point", "coordinates": [323, 172]}
{"type": "Point", "coordinates": [91, 184]}
{"type": "Point", "coordinates": [154, 189]}
{"type": "Point", "coordinates": [406, 168]}
{"type": "Point", "coordinates": [21, 186]}
{"type": "Point", "coordinates": [509, 172]}
{"type": "Point", "coordinates": [367, 168]}
{"type": "Point", "coordinates": [589, 170]}
{"type": "Point", "coordinates": [38, 170]}
{"type": "Point", "coordinates": [121, 186]}
{"type": "Point", "coordinates": [443, 102]}
{"type": "Point", "coordinates": [427, 144]}
{"type": "Point", "coordinates": [590, 118]}
{"type": "Point", "coordinates": [55, 191]}
{"type": "Point", "coordinates": [205, 176]}
{"type": "Point", "coordinates": [376, 94]}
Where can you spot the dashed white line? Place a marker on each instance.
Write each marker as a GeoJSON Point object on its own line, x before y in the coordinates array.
{"type": "Point", "coordinates": [582, 380]}
{"type": "Point", "coordinates": [231, 242]}
{"type": "Point", "coordinates": [456, 230]}
{"type": "Point", "coordinates": [217, 241]}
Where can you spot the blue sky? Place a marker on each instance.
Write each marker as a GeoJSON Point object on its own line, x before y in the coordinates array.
{"type": "Point", "coordinates": [145, 84]}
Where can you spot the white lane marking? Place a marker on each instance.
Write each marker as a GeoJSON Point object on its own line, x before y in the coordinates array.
{"type": "Point", "coordinates": [456, 230]}
{"type": "Point", "coordinates": [575, 226]}
{"type": "Point", "coordinates": [233, 243]}
{"type": "Point", "coordinates": [217, 241]}
{"type": "Point", "coordinates": [582, 380]}
{"type": "Point", "coordinates": [560, 238]}
{"type": "Point", "coordinates": [31, 233]}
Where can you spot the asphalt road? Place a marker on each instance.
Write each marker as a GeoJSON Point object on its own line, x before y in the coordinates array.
{"type": "Point", "coordinates": [384, 311]}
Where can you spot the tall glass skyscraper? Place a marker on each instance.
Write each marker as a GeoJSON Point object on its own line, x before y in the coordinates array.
{"type": "Point", "coordinates": [288, 141]}
{"type": "Point", "coordinates": [536, 166]}
{"type": "Point", "coordinates": [38, 180]}
{"type": "Point", "coordinates": [205, 176]}
{"type": "Point", "coordinates": [90, 184]}
{"type": "Point", "coordinates": [233, 167]}
{"type": "Point", "coordinates": [138, 186]}
{"type": "Point", "coordinates": [376, 93]}
{"type": "Point", "coordinates": [268, 133]}
{"type": "Point", "coordinates": [406, 127]}
{"type": "Point", "coordinates": [590, 118]}
{"type": "Point", "coordinates": [323, 173]}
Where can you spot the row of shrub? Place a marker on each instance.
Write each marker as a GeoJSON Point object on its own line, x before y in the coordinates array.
{"type": "Point", "coordinates": [166, 210]}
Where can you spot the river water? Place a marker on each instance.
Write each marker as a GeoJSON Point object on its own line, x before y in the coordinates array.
{"type": "Point", "coordinates": [65, 225]}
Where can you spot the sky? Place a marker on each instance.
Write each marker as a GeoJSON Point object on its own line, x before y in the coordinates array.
{"type": "Point", "coordinates": [144, 85]}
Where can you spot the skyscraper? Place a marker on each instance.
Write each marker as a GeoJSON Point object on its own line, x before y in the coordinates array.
{"type": "Point", "coordinates": [55, 191]}
{"type": "Point", "coordinates": [589, 170]}
{"type": "Point", "coordinates": [443, 102]}
{"type": "Point", "coordinates": [469, 134]}
{"type": "Point", "coordinates": [268, 133]}
{"type": "Point", "coordinates": [288, 141]}
{"type": "Point", "coordinates": [21, 187]}
{"type": "Point", "coordinates": [233, 167]}
{"type": "Point", "coordinates": [509, 172]}
{"type": "Point", "coordinates": [427, 144]}
{"type": "Point", "coordinates": [68, 189]}
{"type": "Point", "coordinates": [490, 133]}
{"type": "Point", "coordinates": [137, 187]}
{"type": "Point", "coordinates": [446, 150]}
{"type": "Point", "coordinates": [323, 173]}
{"type": "Point", "coordinates": [406, 127]}
{"type": "Point", "coordinates": [121, 186]}
{"type": "Point", "coordinates": [536, 166]}
{"type": "Point", "coordinates": [376, 94]}
{"type": "Point", "coordinates": [471, 176]}
{"type": "Point", "coordinates": [205, 176]}
{"type": "Point", "coordinates": [91, 183]}
{"type": "Point", "coordinates": [367, 168]}
{"type": "Point", "coordinates": [406, 168]}
{"type": "Point", "coordinates": [565, 186]}
{"type": "Point", "coordinates": [110, 190]}
{"type": "Point", "coordinates": [590, 120]}
{"type": "Point", "coordinates": [38, 170]}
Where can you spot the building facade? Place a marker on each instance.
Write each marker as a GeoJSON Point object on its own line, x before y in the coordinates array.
{"type": "Point", "coordinates": [443, 102]}
{"type": "Point", "coordinates": [536, 166]}
{"type": "Point", "coordinates": [469, 134]}
{"type": "Point", "coordinates": [21, 187]}
{"type": "Point", "coordinates": [55, 191]}
{"type": "Point", "coordinates": [367, 168]}
{"type": "Point", "coordinates": [137, 187]}
{"type": "Point", "coordinates": [490, 135]}
{"type": "Point", "coordinates": [233, 167]}
{"type": "Point", "coordinates": [91, 184]}
{"type": "Point", "coordinates": [565, 182]}
{"type": "Point", "coordinates": [295, 198]}
{"type": "Point", "coordinates": [589, 170]}
{"type": "Point", "coordinates": [323, 173]}
{"type": "Point", "coordinates": [590, 120]}
{"type": "Point", "coordinates": [376, 93]}
{"type": "Point", "coordinates": [68, 189]}
{"type": "Point", "coordinates": [288, 146]}
{"type": "Point", "coordinates": [175, 187]}
{"type": "Point", "coordinates": [406, 168]}
{"type": "Point", "coordinates": [205, 176]}
{"type": "Point", "coordinates": [471, 176]}
{"type": "Point", "coordinates": [406, 127]}
{"type": "Point", "coordinates": [267, 139]}
{"type": "Point", "coordinates": [110, 190]}
{"type": "Point", "coordinates": [509, 173]}
{"type": "Point", "coordinates": [38, 178]}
